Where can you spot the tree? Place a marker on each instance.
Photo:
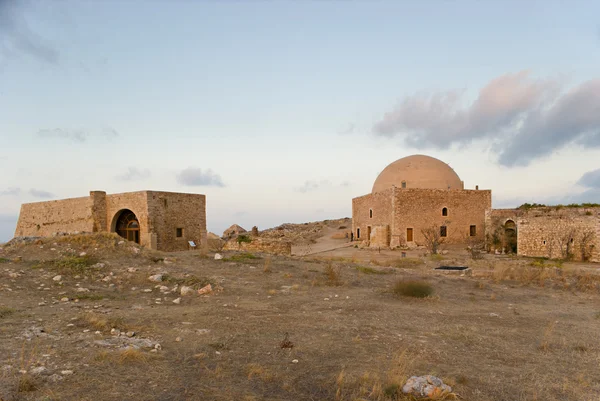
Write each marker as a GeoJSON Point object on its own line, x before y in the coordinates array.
{"type": "Point", "coordinates": [586, 244]}
{"type": "Point", "coordinates": [435, 236]}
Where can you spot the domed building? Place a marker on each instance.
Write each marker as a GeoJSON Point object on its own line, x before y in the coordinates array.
{"type": "Point", "coordinates": [418, 193]}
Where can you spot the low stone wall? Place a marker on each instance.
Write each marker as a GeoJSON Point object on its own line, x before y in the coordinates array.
{"type": "Point", "coordinates": [260, 245]}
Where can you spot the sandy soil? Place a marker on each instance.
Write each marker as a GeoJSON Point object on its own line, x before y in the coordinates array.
{"type": "Point", "coordinates": [494, 333]}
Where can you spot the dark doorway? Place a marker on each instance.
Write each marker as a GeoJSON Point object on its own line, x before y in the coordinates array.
{"type": "Point", "coordinates": [128, 226]}
{"type": "Point", "coordinates": [409, 235]}
{"type": "Point", "coordinates": [510, 236]}
{"type": "Point", "coordinates": [368, 233]}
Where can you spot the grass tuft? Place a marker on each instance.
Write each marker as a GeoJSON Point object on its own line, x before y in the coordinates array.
{"type": "Point", "coordinates": [6, 311]}
{"type": "Point", "coordinates": [370, 270]}
{"type": "Point", "coordinates": [334, 275]}
{"type": "Point", "coordinates": [415, 289]}
{"type": "Point", "coordinates": [241, 257]}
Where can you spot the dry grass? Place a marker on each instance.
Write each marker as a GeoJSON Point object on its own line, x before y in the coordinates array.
{"type": "Point", "coordinates": [26, 384]}
{"type": "Point", "coordinates": [126, 356]}
{"type": "Point", "coordinates": [6, 311]}
{"type": "Point", "coordinates": [370, 270]}
{"type": "Point", "coordinates": [72, 265]}
{"type": "Point", "coordinates": [407, 263]}
{"type": "Point", "coordinates": [333, 274]}
{"type": "Point", "coordinates": [411, 288]}
{"type": "Point", "coordinates": [257, 371]}
{"type": "Point", "coordinates": [567, 278]}
{"type": "Point", "coordinates": [241, 257]}
{"type": "Point", "coordinates": [267, 266]}
{"type": "Point", "coordinates": [101, 323]}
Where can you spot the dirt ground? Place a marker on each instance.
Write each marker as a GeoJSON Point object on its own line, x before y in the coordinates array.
{"type": "Point", "coordinates": [289, 328]}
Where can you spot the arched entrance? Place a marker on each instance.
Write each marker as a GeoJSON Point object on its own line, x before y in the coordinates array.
{"type": "Point", "coordinates": [128, 226]}
{"type": "Point", "coordinates": [510, 236]}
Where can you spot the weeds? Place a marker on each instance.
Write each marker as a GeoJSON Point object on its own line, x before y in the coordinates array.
{"type": "Point", "coordinates": [26, 384]}
{"type": "Point", "coordinates": [370, 270]}
{"type": "Point", "coordinates": [102, 323]}
{"type": "Point", "coordinates": [267, 266]}
{"type": "Point", "coordinates": [4, 260]}
{"type": "Point", "coordinates": [415, 289]}
{"type": "Point", "coordinates": [436, 257]}
{"type": "Point", "coordinates": [6, 311]}
{"type": "Point", "coordinates": [334, 275]}
{"type": "Point", "coordinates": [241, 257]}
{"type": "Point", "coordinates": [257, 371]}
{"type": "Point", "coordinates": [189, 280]}
{"type": "Point", "coordinates": [72, 265]}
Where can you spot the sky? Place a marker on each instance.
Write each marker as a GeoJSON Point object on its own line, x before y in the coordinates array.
{"type": "Point", "coordinates": [283, 111]}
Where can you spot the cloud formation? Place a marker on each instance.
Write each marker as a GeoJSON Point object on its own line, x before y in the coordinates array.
{"type": "Point", "coordinates": [36, 193]}
{"type": "Point", "coordinates": [195, 177]}
{"type": "Point", "coordinates": [312, 185]}
{"type": "Point", "coordinates": [591, 179]}
{"type": "Point", "coordinates": [522, 117]}
{"type": "Point", "coordinates": [134, 174]}
{"type": "Point", "coordinates": [17, 38]}
{"type": "Point", "coordinates": [77, 135]}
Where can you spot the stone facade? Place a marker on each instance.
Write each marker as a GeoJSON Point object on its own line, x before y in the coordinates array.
{"type": "Point", "coordinates": [391, 217]}
{"type": "Point", "coordinates": [550, 232]}
{"type": "Point", "coordinates": [277, 247]}
{"type": "Point", "coordinates": [167, 220]}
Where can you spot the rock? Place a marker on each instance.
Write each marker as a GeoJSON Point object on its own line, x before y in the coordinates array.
{"type": "Point", "coordinates": [185, 290]}
{"type": "Point", "coordinates": [82, 254]}
{"type": "Point", "coordinates": [218, 256]}
{"type": "Point", "coordinates": [38, 371]}
{"type": "Point", "coordinates": [115, 332]}
{"type": "Point", "coordinates": [178, 339]}
{"type": "Point", "coordinates": [81, 289]}
{"type": "Point", "coordinates": [428, 387]}
{"type": "Point", "coordinates": [130, 334]}
{"type": "Point", "coordinates": [131, 269]}
{"type": "Point", "coordinates": [295, 361]}
{"type": "Point", "coordinates": [157, 346]}
{"type": "Point", "coordinates": [66, 372]}
{"type": "Point", "coordinates": [205, 290]}
{"type": "Point", "coordinates": [65, 299]}
{"type": "Point", "coordinates": [148, 290]}
{"type": "Point", "coordinates": [177, 301]}
{"type": "Point", "coordinates": [57, 278]}
{"type": "Point", "coordinates": [494, 314]}
{"type": "Point", "coordinates": [55, 378]}
{"type": "Point", "coordinates": [157, 278]}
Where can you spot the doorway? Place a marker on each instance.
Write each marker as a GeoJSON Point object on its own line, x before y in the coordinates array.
{"type": "Point", "coordinates": [368, 233]}
{"type": "Point", "coordinates": [510, 236]}
{"type": "Point", "coordinates": [409, 235]}
{"type": "Point", "coordinates": [128, 226]}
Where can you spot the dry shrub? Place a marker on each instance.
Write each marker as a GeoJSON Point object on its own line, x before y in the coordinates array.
{"type": "Point", "coordinates": [132, 355]}
{"type": "Point", "coordinates": [334, 274]}
{"type": "Point", "coordinates": [412, 288]}
{"type": "Point", "coordinates": [267, 266]}
{"type": "Point", "coordinates": [257, 371]}
{"type": "Point", "coordinates": [102, 323]}
{"type": "Point", "coordinates": [370, 270]}
{"type": "Point", "coordinates": [6, 311]}
{"type": "Point", "coordinates": [73, 265]}
{"type": "Point", "coordinates": [26, 384]}
{"type": "Point", "coordinates": [546, 343]}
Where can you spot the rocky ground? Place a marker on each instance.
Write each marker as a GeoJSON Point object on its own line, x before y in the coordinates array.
{"type": "Point", "coordinates": [95, 317]}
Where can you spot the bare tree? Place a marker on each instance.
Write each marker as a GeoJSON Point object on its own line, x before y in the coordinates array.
{"type": "Point", "coordinates": [565, 243]}
{"type": "Point", "coordinates": [435, 236]}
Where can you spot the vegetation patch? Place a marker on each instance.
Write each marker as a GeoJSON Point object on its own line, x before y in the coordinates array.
{"type": "Point", "coordinates": [4, 260]}
{"type": "Point", "coordinates": [187, 280]}
{"type": "Point", "coordinates": [333, 274]}
{"type": "Point", "coordinates": [71, 265]}
{"type": "Point", "coordinates": [241, 257]}
{"type": "Point", "coordinates": [415, 289]}
{"type": "Point", "coordinates": [6, 311]}
{"type": "Point", "coordinates": [370, 270]}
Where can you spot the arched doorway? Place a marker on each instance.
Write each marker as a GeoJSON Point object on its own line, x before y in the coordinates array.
{"type": "Point", "coordinates": [510, 236]}
{"type": "Point", "coordinates": [128, 226]}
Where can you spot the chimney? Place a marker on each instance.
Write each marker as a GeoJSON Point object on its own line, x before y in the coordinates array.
{"type": "Point", "coordinates": [476, 187]}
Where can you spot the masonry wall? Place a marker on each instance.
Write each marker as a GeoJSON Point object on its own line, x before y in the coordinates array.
{"type": "Point", "coordinates": [381, 205]}
{"type": "Point", "coordinates": [261, 245]}
{"type": "Point", "coordinates": [170, 211]}
{"type": "Point", "coordinates": [546, 232]}
{"type": "Point", "coordinates": [43, 219]}
{"type": "Point", "coordinates": [137, 202]}
{"type": "Point", "coordinates": [422, 208]}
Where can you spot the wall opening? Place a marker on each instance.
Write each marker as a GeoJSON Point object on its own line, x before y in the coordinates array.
{"type": "Point", "coordinates": [510, 236]}
{"type": "Point", "coordinates": [128, 226]}
{"type": "Point", "coordinates": [368, 233]}
{"type": "Point", "coordinates": [473, 231]}
{"type": "Point", "coordinates": [409, 235]}
{"type": "Point", "coordinates": [357, 233]}
{"type": "Point", "coordinates": [443, 231]}
{"type": "Point", "coordinates": [370, 213]}
{"type": "Point", "coordinates": [403, 184]}
{"type": "Point", "coordinates": [179, 232]}
{"type": "Point", "coordinates": [445, 211]}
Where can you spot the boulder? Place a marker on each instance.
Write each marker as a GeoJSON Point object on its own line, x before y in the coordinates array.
{"type": "Point", "coordinates": [426, 387]}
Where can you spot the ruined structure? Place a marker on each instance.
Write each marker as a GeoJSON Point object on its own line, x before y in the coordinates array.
{"type": "Point", "coordinates": [417, 195]}
{"type": "Point", "coordinates": [164, 221]}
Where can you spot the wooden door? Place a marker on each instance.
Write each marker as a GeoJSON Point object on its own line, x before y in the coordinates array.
{"type": "Point", "coordinates": [409, 235]}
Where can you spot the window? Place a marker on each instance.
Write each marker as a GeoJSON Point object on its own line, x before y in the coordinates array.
{"type": "Point", "coordinates": [358, 233]}
{"type": "Point", "coordinates": [165, 202]}
{"type": "Point", "coordinates": [403, 184]}
{"type": "Point", "coordinates": [443, 231]}
{"type": "Point", "coordinates": [370, 213]}
{"type": "Point", "coordinates": [473, 231]}
{"type": "Point", "coordinates": [179, 232]}
{"type": "Point", "coordinates": [409, 235]}
{"type": "Point", "coordinates": [445, 211]}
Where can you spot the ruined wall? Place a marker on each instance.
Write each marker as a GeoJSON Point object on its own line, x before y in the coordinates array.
{"type": "Point", "coordinates": [495, 228]}
{"type": "Point", "coordinates": [552, 232]}
{"type": "Point", "coordinates": [261, 245]}
{"type": "Point", "coordinates": [380, 203]}
{"type": "Point", "coordinates": [137, 202]}
{"type": "Point", "coordinates": [43, 219]}
{"type": "Point", "coordinates": [169, 211]}
{"type": "Point", "coordinates": [422, 208]}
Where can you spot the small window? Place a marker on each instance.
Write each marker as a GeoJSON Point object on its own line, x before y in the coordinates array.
{"type": "Point", "coordinates": [358, 233]}
{"type": "Point", "coordinates": [370, 213]}
{"type": "Point", "coordinates": [179, 232]}
{"type": "Point", "coordinates": [165, 202]}
{"type": "Point", "coordinates": [445, 211]}
{"type": "Point", "coordinates": [571, 240]}
{"type": "Point", "coordinates": [544, 242]}
{"type": "Point", "coordinates": [403, 184]}
{"type": "Point", "coordinates": [443, 231]}
{"type": "Point", "coordinates": [473, 231]}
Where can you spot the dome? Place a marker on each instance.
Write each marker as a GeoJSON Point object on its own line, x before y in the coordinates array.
{"type": "Point", "coordinates": [418, 171]}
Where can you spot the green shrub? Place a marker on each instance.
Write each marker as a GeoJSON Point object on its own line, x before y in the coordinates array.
{"type": "Point", "coordinates": [240, 257]}
{"type": "Point", "coordinates": [243, 239]}
{"type": "Point", "coordinates": [73, 264]}
{"type": "Point", "coordinates": [4, 260]}
{"type": "Point", "coordinates": [415, 289]}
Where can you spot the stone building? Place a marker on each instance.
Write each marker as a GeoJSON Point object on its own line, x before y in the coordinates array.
{"type": "Point", "coordinates": [414, 195]}
{"type": "Point", "coordinates": [165, 221]}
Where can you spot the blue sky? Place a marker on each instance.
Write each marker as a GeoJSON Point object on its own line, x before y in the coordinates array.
{"type": "Point", "coordinates": [282, 111]}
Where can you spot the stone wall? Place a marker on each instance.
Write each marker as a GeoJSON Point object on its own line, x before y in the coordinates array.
{"type": "Point", "coordinates": [160, 214]}
{"type": "Point", "coordinates": [261, 245]}
{"type": "Point", "coordinates": [43, 219]}
{"type": "Point", "coordinates": [552, 232]}
{"type": "Point", "coordinates": [422, 208]}
{"type": "Point", "coordinates": [171, 211]}
{"type": "Point", "coordinates": [372, 210]}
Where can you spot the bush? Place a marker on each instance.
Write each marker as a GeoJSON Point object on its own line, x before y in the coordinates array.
{"type": "Point", "coordinates": [334, 275]}
{"type": "Point", "coordinates": [243, 239]}
{"type": "Point", "coordinates": [415, 289]}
